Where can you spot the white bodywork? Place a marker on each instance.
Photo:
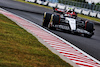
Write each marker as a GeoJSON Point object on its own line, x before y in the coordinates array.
{"type": "Point", "coordinates": [72, 23]}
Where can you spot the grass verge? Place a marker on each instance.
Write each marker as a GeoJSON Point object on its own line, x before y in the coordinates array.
{"type": "Point", "coordinates": [90, 18]}
{"type": "Point", "coordinates": [79, 15]}
{"type": "Point", "coordinates": [18, 48]}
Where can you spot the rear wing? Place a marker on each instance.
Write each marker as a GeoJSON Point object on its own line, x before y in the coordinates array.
{"type": "Point", "coordinates": [57, 10]}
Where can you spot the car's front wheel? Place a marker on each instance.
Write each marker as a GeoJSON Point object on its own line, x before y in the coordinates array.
{"type": "Point", "coordinates": [46, 19]}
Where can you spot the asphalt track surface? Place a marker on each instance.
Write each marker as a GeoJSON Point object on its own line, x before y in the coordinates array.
{"type": "Point", "coordinates": [34, 14]}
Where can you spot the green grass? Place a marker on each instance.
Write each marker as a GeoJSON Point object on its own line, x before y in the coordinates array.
{"type": "Point", "coordinates": [90, 18]}
{"type": "Point", "coordinates": [18, 48]}
{"type": "Point", "coordinates": [79, 15]}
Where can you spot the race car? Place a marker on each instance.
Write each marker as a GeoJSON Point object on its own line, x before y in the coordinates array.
{"type": "Point", "coordinates": [68, 22]}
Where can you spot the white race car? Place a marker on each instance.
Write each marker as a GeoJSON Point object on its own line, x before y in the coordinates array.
{"type": "Point", "coordinates": [68, 22]}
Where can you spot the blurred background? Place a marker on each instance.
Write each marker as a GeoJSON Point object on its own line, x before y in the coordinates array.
{"type": "Point", "coordinates": [88, 4]}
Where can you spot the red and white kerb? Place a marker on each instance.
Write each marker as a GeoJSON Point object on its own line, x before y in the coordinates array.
{"type": "Point", "coordinates": [62, 47]}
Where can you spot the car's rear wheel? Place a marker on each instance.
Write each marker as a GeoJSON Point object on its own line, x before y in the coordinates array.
{"type": "Point", "coordinates": [89, 26]}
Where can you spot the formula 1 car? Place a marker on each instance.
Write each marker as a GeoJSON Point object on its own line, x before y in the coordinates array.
{"type": "Point", "coordinates": [68, 21]}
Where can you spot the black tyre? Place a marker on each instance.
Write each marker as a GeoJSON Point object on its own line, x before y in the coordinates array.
{"type": "Point", "coordinates": [56, 19]}
{"type": "Point", "coordinates": [89, 26]}
{"type": "Point", "coordinates": [46, 19]}
{"type": "Point", "coordinates": [51, 23]}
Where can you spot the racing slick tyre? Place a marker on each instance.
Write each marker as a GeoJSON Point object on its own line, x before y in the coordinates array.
{"type": "Point", "coordinates": [89, 26]}
{"type": "Point", "coordinates": [56, 19]}
{"type": "Point", "coordinates": [50, 24]}
{"type": "Point", "coordinates": [46, 19]}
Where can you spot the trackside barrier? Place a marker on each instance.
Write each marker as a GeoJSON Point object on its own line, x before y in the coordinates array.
{"type": "Point", "coordinates": [85, 12]}
{"type": "Point", "coordinates": [27, 0]}
{"type": "Point", "coordinates": [61, 6]}
{"type": "Point", "coordinates": [39, 2]}
{"type": "Point", "coordinates": [52, 4]}
{"type": "Point", "coordinates": [30, 0]}
{"type": "Point", "coordinates": [78, 10]}
{"type": "Point", "coordinates": [45, 3]}
{"type": "Point", "coordinates": [67, 7]}
{"type": "Point", "coordinates": [98, 15]}
{"type": "Point", "coordinates": [93, 13]}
